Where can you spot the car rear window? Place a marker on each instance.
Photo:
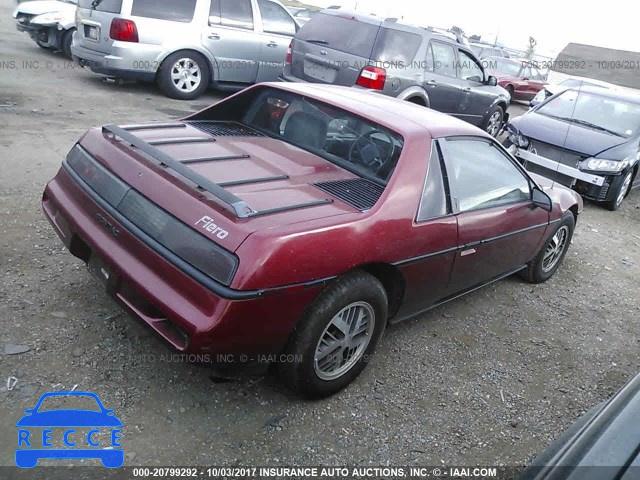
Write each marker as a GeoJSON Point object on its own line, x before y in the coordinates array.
{"type": "Point", "coordinates": [396, 46]}
{"type": "Point", "coordinates": [181, 11]}
{"type": "Point", "coordinates": [109, 6]}
{"type": "Point", "coordinates": [339, 33]}
{"type": "Point", "coordinates": [359, 145]}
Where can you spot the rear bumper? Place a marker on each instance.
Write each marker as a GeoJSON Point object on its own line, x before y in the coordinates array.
{"type": "Point", "coordinates": [187, 314]}
{"type": "Point", "coordinates": [131, 62]}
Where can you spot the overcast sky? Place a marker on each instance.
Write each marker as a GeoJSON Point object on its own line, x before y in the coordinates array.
{"type": "Point", "coordinates": [553, 23]}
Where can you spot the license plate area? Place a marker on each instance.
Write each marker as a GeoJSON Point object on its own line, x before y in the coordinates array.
{"type": "Point", "coordinates": [92, 32]}
{"type": "Point", "coordinates": [319, 71]}
{"type": "Point", "coordinates": [99, 269]}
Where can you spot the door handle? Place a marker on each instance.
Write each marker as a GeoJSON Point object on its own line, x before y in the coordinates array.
{"type": "Point", "coordinates": [213, 36]}
{"type": "Point", "coordinates": [467, 90]}
{"type": "Point", "coordinates": [272, 44]}
{"type": "Point", "coordinates": [470, 251]}
{"type": "Point", "coordinates": [432, 83]}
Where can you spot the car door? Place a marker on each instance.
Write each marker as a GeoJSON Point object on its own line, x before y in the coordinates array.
{"type": "Point", "coordinates": [277, 30]}
{"type": "Point", "coordinates": [536, 82]}
{"type": "Point", "coordinates": [499, 228]}
{"type": "Point", "coordinates": [432, 244]}
{"type": "Point", "coordinates": [232, 40]}
{"type": "Point", "coordinates": [476, 98]}
{"type": "Point", "coordinates": [440, 77]}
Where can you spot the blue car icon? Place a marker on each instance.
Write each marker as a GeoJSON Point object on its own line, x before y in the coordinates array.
{"type": "Point", "coordinates": [28, 457]}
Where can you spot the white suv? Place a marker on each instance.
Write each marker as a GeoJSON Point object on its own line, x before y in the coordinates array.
{"type": "Point", "coordinates": [185, 46]}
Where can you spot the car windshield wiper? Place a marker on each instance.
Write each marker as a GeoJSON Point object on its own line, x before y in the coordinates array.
{"type": "Point", "coordinates": [95, 3]}
{"type": "Point", "coordinates": [318, 42]}
{"type": "Point", "coordinates": [590, 125]}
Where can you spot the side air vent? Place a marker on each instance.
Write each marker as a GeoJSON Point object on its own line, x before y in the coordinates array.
{"type": "Point", "coordinates": [358, 192]}
{"type": "Point", "coordinates": [225, 129]}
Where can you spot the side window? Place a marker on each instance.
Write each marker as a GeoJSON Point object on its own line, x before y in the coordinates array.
{"type": "Point", "coordinates": [469, 69]}
{"type": "Point", "coordinates": [275, 19]}
{"type": "Point", "coordinates": [434, 202]}
{"type": "Point", "coordinates": [525, 72]}
{"type": "Point", "coordinates": [174, 11]}
{"type": "Point", "coordinates": [482, 176]}
{"type": "Point", "coordinates": [444, 59]}
{"type": "Point", "coordinates": [231, 13]}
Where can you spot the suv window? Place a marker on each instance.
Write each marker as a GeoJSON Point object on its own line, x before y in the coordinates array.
{"type": "Point", "coordinates": [275, 19]}
{"type": "Point", "coordinates": [482, 176]}
{"type": "Point", "coordinates": [232, 13]}
{"type": "Point", "coordinates": [342, 34]}
{"type": "Point", "coordinates": [109, 6]}
{"type": "Point", "coordinates": [174, 11]}
{"type": "Point", "coordinates": [396, 47]}
{"type": "Point", "coordinates": [443, 59]}
{"type": "Point", "coordinates": [434, 202]}
{"type": "Point", "coordinates": [469, 68]}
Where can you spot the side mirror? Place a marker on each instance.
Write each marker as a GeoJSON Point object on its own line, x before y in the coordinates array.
{"type": "Point", "coordinates": [492, 81]}
{"type": "Point", "coordinates": [541, 199]}
{"type": "Point", "coordinates": [525, 79]}
{"type": "Point", "coordinates": [533, 103]}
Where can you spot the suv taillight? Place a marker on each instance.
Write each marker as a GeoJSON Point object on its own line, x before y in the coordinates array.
{"type": "Point", "coordinates": [372, 77]}
{"type": "Point", "coordinates": [123, 30]}
{"type": "Point", "coordinates": [289, 58]}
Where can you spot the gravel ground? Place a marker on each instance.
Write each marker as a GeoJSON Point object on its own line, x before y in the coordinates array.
{"type": "Point", "coordinates": [491, 378]}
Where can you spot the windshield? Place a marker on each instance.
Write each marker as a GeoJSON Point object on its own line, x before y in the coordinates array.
{"type": "Point", "coordinates": [351, 142]}
{"type": "Point", "coordinates": [617, 116]}
{"type": "Point", "coordinates": [507, 67]}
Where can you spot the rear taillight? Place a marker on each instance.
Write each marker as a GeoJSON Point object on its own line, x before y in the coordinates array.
{"type": "Point", "coordinates": [123, 30]}
{"type": "Point", "coordinates": [289, 58]}
{"type": "Point", "coordinates": [372, 77]}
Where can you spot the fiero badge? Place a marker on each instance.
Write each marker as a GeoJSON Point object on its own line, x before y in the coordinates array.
{"type": "Point", "coordinates": [207, 224]}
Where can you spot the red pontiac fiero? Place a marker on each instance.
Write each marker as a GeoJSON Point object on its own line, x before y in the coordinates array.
{"type": "Point", "coordinates": [300, 219]}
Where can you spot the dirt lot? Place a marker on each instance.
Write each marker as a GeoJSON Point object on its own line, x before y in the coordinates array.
{"type": "Point", "coordinates": [492, 378]}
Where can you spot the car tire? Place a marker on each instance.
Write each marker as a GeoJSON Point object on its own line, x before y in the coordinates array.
{"type": "Point", "coordinates": [552, 253]}
{"type": "Point", "coordinates": [620, 192]}
{"type": "Point", "coordinates": [43, 45]}
{"type": "Point", "coordinates": [196, 75]}
{"type": "Point", "coordinates": [67, 40]}
{"type": "Point", "coordinates": [494, 120]}
{"type": "Point", "coordinates": [360, 297]}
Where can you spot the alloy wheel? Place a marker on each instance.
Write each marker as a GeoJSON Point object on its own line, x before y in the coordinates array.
{"type": "Point", "coordinates": [186, 75]}
{"type": "Point", "coordinates": [344, 341]}
{"type": "Point", "coordinates": [555, 248]}
{"type": "Point", "coordinates": [624, 188]}
{"type": "Point", "coordinates": [495, 122]}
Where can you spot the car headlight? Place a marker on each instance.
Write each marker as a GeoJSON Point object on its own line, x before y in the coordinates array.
{"type": "Point", "coordinates": [48, 18]}
{"type": "Point", "coordinates": [518, 139]}
{"type": "Point", "coordinates": [603, 165]}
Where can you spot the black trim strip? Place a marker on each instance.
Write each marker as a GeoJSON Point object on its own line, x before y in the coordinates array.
{"type": "Point", "coordinates": [469, 245]}
{"type": "Point", "coordinates": [249, 181]}
{"type": "Point", "coordinates": [419, 258]}
{"type": "Point", "coordinates": [214, 159]}
{"type": "Point", "coordinates": [176, 141]}
{"type": "Point", "coordinates": [506, 235]}
{"type": "Point", "coordinates": [291, 207]}
{"type": "Point", "coordinates": [458, 295]}
{"type": "Point", "coordinates": [237, 205]}
{"type": "Point", "coordinates": [153, 126]}
{"type": "Point", "coordinates": [217, 288]}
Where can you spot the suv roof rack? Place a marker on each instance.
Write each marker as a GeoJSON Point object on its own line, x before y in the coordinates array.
{"type": "Point", "coordinates": [448, 33]}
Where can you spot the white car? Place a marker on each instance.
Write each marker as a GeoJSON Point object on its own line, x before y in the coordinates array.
{"type": "Point", "coordinates": [50, 23]}
{"type": "Point", "coordinates": [572, 82]}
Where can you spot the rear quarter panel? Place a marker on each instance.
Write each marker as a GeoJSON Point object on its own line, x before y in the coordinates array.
{"type": "Point", "coordinates": [321, 249]}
